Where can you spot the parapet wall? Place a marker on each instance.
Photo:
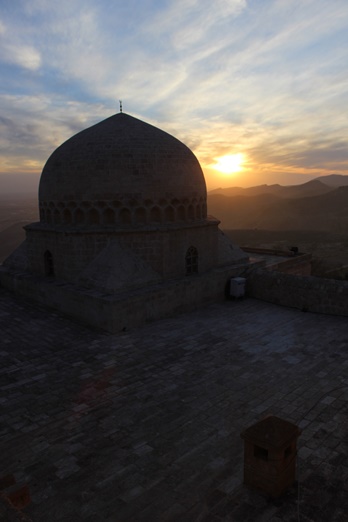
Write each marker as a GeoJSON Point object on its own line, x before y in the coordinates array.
{"type": "Point", "coordinates": [283, 261]}
{"type": "Point", "coordinates": [308, 293]}
{"type": "Point", "coordinates": [297, 265]}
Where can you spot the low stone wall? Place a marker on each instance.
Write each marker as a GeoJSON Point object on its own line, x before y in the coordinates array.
{"type": "Point", "coordinates": [312, 294]}
{"type": "Point", "coordinates": [287, 262]}
{"type": "Point", "coordinates": [297, 265]}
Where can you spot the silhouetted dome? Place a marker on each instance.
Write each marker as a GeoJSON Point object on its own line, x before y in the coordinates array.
{"type": "Point", "coordinates": [125, 172]}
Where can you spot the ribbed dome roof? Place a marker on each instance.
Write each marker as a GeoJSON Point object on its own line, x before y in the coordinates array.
{"type": "Point", "coordinates": [125, 160]}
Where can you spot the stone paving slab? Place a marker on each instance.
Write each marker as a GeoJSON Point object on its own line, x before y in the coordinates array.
{"type": "Point", "coordinates": [145, 425]}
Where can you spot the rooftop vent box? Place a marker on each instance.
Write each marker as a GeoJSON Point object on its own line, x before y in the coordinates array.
{"type": "Point", "coordinates": [237, 286]}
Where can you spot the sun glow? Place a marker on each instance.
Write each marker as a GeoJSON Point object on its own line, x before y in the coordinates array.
{"type": "Point", "coordinates": [230, 163]}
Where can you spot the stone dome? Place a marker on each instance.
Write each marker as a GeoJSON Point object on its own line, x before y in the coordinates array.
{"type": "Point", "coordinates": [122, 172]}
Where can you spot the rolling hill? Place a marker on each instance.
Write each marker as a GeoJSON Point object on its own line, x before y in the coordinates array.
{"type": "Point", "coordinates": [334, 180]}
{"type": "Point", "coordinates": [311, 206]}
{"type": "Point", "coordinates": [314, 187]}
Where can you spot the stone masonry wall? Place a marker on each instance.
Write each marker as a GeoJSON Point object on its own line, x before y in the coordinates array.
{"type": "Point", "coordinates": [164, 251]}
{"type": "Point", "coordinates": [126, 310]}
{"type": "Point", "coordinates": [312, 294]}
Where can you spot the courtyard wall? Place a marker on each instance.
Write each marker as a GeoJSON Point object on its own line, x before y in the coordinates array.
{"type": "Point", "coordinates": [308, 293]}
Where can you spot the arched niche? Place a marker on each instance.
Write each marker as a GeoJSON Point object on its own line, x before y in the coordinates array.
{"type": "Point", "coordinates": [191, 261]}
{"type": "Point", "coordinates": [48, 263]}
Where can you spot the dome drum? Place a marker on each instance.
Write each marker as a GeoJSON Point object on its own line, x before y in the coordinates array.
{"type": "Point", "coordinates": [122, 213]}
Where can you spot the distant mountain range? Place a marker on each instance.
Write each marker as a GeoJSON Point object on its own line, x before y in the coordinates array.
{"type": "Point", "coordinates": [320, 204]}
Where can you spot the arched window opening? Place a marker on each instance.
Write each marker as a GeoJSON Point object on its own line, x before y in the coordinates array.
{"type": "Point", "coordinates": [109, 216]}
{"type": "Point", "coordinates": [181, 213]}
{"type": "Point", "coordinates": [169, 214]}
{"type": "Point", "coordinates": [140, 215]}
{"type": "Point", "coordinates": [198, 212]}
{"type": "Point", "coordinates": [155, 215]}
{"type": "Point", "coordinates": [191, 213]}
{"type": "Point", "coordinates": [125, 216]}
{"type": "Point", "coordinates": [67, 216]}
{"type": "Point", "coordinates": [93, 217]}
{"type": "Point", "coordinates": [49, 266]}
{"type": "Point", "coordinates": [79, 216]}
{"type": "Point", "coordinates": [191, 261]}
{"type": "Point", "coordinates": [56, 217]}
{"type": "Point", "coordinates": [48, 216]}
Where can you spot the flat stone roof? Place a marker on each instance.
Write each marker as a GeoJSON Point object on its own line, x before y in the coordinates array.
{"type": "Point", "coordinates": [145, 425]}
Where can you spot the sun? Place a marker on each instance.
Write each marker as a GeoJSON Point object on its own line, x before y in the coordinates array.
{"type": "Point", "coordinates": [230, 163]}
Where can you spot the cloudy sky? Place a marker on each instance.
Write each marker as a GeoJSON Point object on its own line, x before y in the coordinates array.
{"type": "Point", "coordinates": [263, 82]}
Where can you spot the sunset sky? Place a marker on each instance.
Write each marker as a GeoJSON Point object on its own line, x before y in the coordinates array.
{"type": "Point", "coordinates": [263, 82]}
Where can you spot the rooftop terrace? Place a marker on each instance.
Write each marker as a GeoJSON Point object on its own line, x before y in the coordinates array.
{"type": "Point", "coordinates": [145, 425]}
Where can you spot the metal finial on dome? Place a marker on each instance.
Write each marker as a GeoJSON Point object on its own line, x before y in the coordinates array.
{"type": "Point", "coordinates": [120, 105]}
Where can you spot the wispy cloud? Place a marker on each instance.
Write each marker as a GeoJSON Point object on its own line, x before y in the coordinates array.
{"type": "Point", "coordinates": [23, 56]}
{"type": "Point", "coordinates": [264, 78]}
{"type": "Point", "coordinates": [14, 51]}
